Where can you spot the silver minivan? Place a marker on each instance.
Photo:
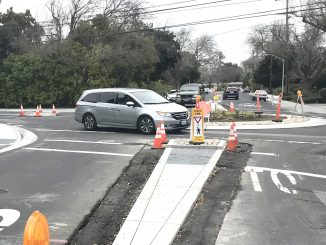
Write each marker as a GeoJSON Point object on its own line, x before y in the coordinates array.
{"type": "Point", "coordinates": [140, 109]}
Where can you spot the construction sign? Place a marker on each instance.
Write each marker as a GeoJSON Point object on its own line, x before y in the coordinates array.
{"type": "Point", "coordinates": [197, 126]}
{"type": "Point", "coordinates": [216, 99]}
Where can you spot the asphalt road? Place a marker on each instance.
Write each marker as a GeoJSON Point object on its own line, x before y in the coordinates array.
{"type": "Point", "coordinates": [63, 174]}
{"type": "Point", "coordinates": [68, 170]}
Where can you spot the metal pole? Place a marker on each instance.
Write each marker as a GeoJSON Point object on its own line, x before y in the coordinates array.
{"type": "Point", "coordinates": [286, 45]}
{"type": "Point", "coordinates": [282, 77]}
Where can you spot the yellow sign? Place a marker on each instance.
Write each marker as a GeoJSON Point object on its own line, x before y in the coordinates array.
{"type": "Point", "coordinates": [215, 98]}
{"type": "Point", "coordinates": [197, 126]}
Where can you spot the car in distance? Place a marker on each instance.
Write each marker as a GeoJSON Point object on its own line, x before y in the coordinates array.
{"type": "Point", "coordinates": [231, 92]}
{"type": "Point", "coordinates": [140, 109]}
{"type": "Point", "coordinates": [262, 95]}
{"type": "Point", "coordinates": [188, 93]}
{"type": "Point", "coordinates": [246, 90]}
{"type": "Point", "coordinates": [172, 95]}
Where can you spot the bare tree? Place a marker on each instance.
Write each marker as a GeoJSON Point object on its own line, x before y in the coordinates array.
{"type": "Point", "coordinates": [314, 15]}
{"type": "Point", "coordinates": [203, 48]}
{"type": "Point", "coordinates": [183, 38]}
{"type": "Point", "coordinates": [59, 18]}
{"type": "Point", "coordinates": [108, 12]}
{"type": "Point", "coordinates": [310, 56]}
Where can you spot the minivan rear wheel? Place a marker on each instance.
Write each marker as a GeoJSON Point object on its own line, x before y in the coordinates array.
{"type": "Point", "coordinates": [146, 125]}
{"type": "Point", "coordinates": [89, 122]}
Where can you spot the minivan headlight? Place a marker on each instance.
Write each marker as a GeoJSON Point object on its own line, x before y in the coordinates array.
{"type": "Point", "coordinates": [164, 114]}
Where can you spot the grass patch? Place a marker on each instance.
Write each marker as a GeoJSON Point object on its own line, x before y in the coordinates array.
{"type": "Point", "coordinates": [227, 116]}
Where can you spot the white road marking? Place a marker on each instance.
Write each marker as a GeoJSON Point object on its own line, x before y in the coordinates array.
{"type": "Point", "coordinates": [72, 131]}
{"type": "Point", "coordinates": [287, 141]}
{"type": "Point", "coordinates": [81, 152]}
{"type": "Point", "coordinates": [9, 216]}
{"type": "Point", "coordinates": [283, 171]}
{"type": "Point", "coordinates": [321, 196]}
{"type": "Point", "coordinates": [57, 241]}
{"type": "Point", "coordinates": [278, 183]}
{"type": "Point", "coordinates": [255, 181]}
{"type": "Point", "coordinates": [263, 153]}
{"type": "Point", "coordinates": [87, 142]}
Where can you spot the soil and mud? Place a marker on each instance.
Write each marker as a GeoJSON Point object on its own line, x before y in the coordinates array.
{"type": "Point", "coordinates": [204, 221]}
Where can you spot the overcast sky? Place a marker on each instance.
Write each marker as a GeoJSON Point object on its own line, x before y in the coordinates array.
{"type": "Point", "coordinates": [230, 36]}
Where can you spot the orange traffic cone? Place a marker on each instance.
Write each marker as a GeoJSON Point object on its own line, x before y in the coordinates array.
{"type": "Point", "coordinates": [163, 134]}
{"type": "Point", "coordinates": [37, 230]}
{"type": "Point", "coordinates": [40, 108]}
{"type": "Point", "coordinates": [21, 113]}
{"type": "Point", "coordinates": [232, 107]}
{"type": "Point", "coordinates": [258, 103]}
{"type": "Point", "coordinates": [235, 133]}
{"type": "Point", "coordinates": [158, 140]}
{"type": "Point", "coordinates": [232, 144]}
{"type": "Point", "coordinates": [37, 113]}
{"type": "Point", "coordinates": [54, 111]}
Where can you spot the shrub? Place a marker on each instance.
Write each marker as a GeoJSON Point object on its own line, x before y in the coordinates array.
{"type": "Point", "coordinates": [322, 94]}
{"type": "Point", "coordinates": [311, 99]}
{"type": "Point", "coordinates": [291, 97]}
{"type": "Point", "coordinates": [231, 116]}
{"type": "Point", "coordinates": [159, 87]}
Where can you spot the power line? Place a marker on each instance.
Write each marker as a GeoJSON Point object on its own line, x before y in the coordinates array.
{"type": "Point", "coordinates": [220, 5]}
{"type": "Point", "coordinates": [168, 4]}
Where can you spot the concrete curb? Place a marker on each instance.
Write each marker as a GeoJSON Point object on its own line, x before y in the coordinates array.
{"type": "Point", "coordinates": [311, 122]}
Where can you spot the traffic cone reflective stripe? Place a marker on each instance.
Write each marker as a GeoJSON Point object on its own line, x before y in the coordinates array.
{"type": "Point", "coordinates": [235, 133]}
{"type": "Point", "coordinates": [36, 230]}
{"type": "Point", "coordinates": [37, 113]}
{"type": "Point", "coordinates": [21, 113]}
{"type": "Point", "coordinates": [158, 140]}
{"type": "Point", "coordinates": [54, 111]}
{"type": "Point", "coordinates": [232, 145]}
{"type": "Point", "coordinates": [163, 134]}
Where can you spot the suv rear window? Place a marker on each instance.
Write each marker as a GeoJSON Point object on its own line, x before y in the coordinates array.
{"type": "Point", "coordinates": [92, 97]}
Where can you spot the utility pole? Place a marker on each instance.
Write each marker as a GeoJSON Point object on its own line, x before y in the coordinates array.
{"type": "Point", "coordinates": [287, 45]}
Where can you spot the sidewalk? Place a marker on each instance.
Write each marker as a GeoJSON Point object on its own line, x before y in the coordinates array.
{"type": "Point", "coordinates": [170, 193]}
{"type": "Point", "coordinates": [307, 108]}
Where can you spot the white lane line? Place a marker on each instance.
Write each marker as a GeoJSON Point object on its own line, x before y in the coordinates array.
{"type": "Point", "coordinates": [263, 153]}
{"type": "Point", "coordinates": [255, 181]}
{"type": "Point", "coordinates": [86, 142]}
{"type": "Point", "coordinates": [283, 171]}
{"type": "Point", "coordinates": [58, 241]}
{"type": "Point", "coordinates": [81, 152]}
{"type": "Point", "coordinates": [72, 131]}
{"type": "Point", "coordinates": [287, 141]}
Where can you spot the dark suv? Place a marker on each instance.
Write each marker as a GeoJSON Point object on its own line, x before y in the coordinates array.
{"type": "Point", "coordinates": [188, 93]}
{"type": "Point", "coordinates": [231, 92]}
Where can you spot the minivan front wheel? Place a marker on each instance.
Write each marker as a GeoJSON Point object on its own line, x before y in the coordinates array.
{"type": "Point", "coordinates": [146, 125]}
{"type": "Point", "coordinates": [89, 122]}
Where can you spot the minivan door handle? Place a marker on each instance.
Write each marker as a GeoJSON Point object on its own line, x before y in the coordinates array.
{"type": "Point", "coordinates": [114, 109]}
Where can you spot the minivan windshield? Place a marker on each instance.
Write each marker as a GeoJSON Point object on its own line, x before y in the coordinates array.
{"type": "Point", "coordinates": [149, 97]}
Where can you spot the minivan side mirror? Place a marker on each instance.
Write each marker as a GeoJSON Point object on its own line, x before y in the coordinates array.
{"type": "Point", "coordinates": [130, 104]}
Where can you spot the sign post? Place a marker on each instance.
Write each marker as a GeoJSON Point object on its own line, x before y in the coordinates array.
{"type": "Point", "coordinates": [300, 101]}
{"type": "Point", "coordinates": [197, 125]}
